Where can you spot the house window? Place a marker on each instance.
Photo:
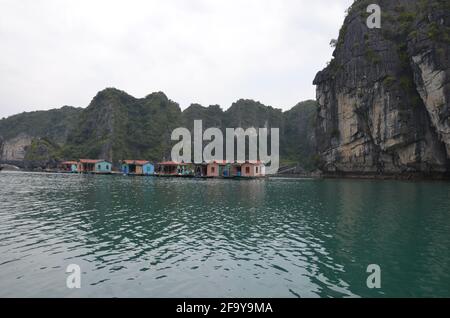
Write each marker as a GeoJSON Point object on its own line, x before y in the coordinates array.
{"type": "Point", "coordinates": [256, 169]}
{"type": "Point", "coordinates": [247, 170]}
{"type": "Point", "coordinates": [213, 170]}
{"type": "Point", "coordinates": [99, 167]}
{"type": "Point", "coordinates": [107, 167]}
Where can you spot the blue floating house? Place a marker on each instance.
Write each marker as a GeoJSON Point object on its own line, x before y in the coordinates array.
{"type": "Point", "coordinates": [137, 167]}
{"type": "Point", "coordinates": [94, 166]}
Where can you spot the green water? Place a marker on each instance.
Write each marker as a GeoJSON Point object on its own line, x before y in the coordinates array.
{"type": "Point", "coordinates": [160, 237]}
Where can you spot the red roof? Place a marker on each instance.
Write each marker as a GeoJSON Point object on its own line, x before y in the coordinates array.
{"type": "Point", "coordinates": [253, 162]}
{"type": "Point", "coordinates": [171, 163]}
{"type": "Point", "coordinates": [221, 162]}
{"type": "Point", "coordinates": [224, 162]}
{"type": "Point", "coordinates": [136, 162]}
{"type": "Point", "coordinates": [69, 163]}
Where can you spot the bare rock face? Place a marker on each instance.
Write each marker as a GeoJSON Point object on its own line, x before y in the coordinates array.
{"type": "Point", "coordinates": [15, 149]}
{"type": "Point", "coordinates": [384, 98]}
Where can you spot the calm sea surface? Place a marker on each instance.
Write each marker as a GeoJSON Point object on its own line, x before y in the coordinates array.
{"type": "Point", "coordinates": [158, 237]}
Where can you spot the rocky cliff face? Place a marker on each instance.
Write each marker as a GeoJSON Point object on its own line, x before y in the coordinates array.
{"type": "Point", "coordinates": [116, 126]}
{"type": "Point", "coordinates": [384, 99]}
{"type": "Point", "coordinates": [19, 132]}
{"type": "Point", "coordinates": [295, 125]}
{"type": "Point", "coordinates": [14, 149]}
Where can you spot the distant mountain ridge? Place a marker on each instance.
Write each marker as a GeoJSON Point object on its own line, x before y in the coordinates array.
{"type": "Point", "coordinates": [54, 123]}
{"type": "Point", "coordinates": [117, 125]}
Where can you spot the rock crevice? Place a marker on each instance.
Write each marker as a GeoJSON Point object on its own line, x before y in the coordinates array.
{"type": "Point", "coordinates": [384, 98]}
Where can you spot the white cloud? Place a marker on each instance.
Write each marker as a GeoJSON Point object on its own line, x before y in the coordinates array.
{"type": "Point", "coordinates": [56, 53]}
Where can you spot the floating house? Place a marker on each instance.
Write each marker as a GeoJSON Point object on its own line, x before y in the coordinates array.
{"type": "Point", "coordinates": [186, 170]}
{"type": "Point", "coordinates": [137, 167]}
{"type": "Point", "coordinates": [69, 166]}
{"type": "Point", "coordinates": [213, 169]}
{"type": "Point", "coordinates": [98, 166]}
{"type": "Point", "coordinates": [173, 168]}
{"type": "Point", "coordinates": [226, 169]}
{"type": "Point", "coordinates": [253, 169]}
{"type": "Point", "coordinates": [168, 168]}
{"type": "Point", "coordinates": [220, 168]}
{"type": "Point", "coordinates": [201, 170]}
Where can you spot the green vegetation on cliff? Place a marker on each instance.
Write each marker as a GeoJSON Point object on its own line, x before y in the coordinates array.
{"type": "Point", "coordinates": [54, 124]}
{"type": "Point", "coordinates": [298, 140]}
{"type": "Point", "coordinates": [116, 126]}
{"type": "Point", "coordinates": [42, 151]}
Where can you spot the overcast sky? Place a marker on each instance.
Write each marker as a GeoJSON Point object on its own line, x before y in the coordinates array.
{"type": "Point", "coordinates": [62, 52]}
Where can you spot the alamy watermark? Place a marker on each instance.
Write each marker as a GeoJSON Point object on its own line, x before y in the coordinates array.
{"type": "Point", "coordinates": [74, 278]}
{"type": "Point", "coordinates": [374, 19]}
{"type": "Point", "coordinates": [374, 279]}
{"type": "Point", "coordinates": [214, 151]}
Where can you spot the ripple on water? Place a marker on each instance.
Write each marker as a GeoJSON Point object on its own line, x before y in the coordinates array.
{"type": "Point", "coordinates": [179, 237]}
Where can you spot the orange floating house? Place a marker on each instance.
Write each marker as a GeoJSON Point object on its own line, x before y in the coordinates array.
{"type": "Point", "coordinates": [227, 169]}
{"type": "Point", "coordinates": [253, 169]}
{"type": "Point", "coordinates": [213, 169]}
{"type": "Point", "coordinates": [220, 168]}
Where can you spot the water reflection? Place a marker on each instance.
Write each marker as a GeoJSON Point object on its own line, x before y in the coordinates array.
{"type": "Point", "coordinates": [155, 237]}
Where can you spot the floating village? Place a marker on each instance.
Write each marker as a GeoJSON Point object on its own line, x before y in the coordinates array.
{"type": "Point", "coordinates": [214, 169]}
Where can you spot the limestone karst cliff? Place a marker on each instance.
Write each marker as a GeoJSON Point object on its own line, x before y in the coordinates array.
{"type": "Point", "coordinates": [384, 99]}
{"type": "Point", "coordinates": [117, 125]}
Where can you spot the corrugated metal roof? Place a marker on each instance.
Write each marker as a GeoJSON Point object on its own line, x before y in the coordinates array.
{"type": "Point", "coordinates": [92, 160]}
{"type": "Point", "coordinates": [136, 162]}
